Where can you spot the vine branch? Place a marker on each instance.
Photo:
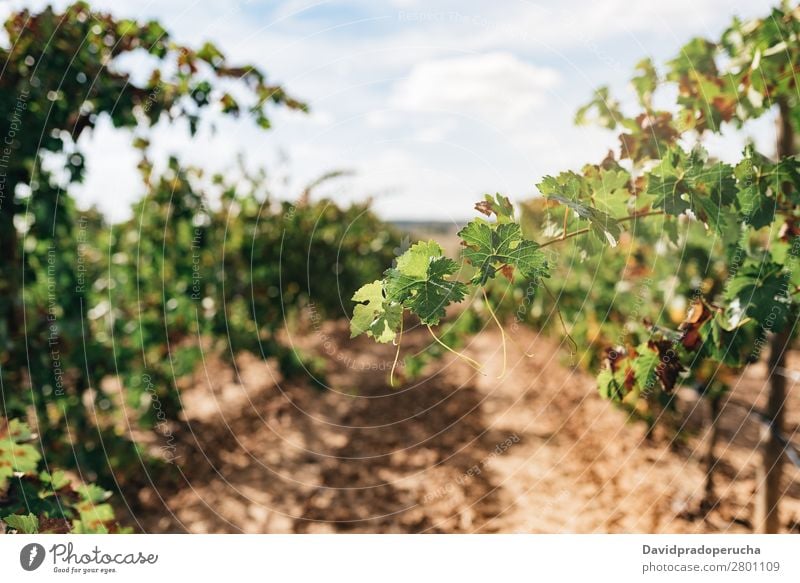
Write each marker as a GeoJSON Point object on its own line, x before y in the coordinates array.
{"type": "Point", "coordinates": [587, 229]}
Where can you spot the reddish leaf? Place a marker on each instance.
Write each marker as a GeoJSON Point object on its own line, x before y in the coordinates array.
{"type": "Point", "coordinates": [669, 367]}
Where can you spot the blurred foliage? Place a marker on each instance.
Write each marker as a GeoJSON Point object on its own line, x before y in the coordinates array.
{"type": "Point", "coordinates": [101, 325]}
{"type": "Point", "coordinates": [36, 500]}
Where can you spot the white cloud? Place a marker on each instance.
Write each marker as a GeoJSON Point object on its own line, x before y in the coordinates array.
{"type": "Point", "coordinates": [525, 25]}
{"type": "Point", "coordinates": [494, 87]}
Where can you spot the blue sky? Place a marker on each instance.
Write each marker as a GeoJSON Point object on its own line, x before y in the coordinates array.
{"type": "Point", "coordinates": [431, 104]}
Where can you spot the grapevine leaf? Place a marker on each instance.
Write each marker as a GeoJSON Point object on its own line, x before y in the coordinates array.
{"type": "Point", "coordinates": [23, 523]}
{"type": "Point", "coordinates": [683, 182]}
{"type": "Point", "coordinates": [609, 189]}
{"type": "Point", "coordinates": [713, 190]}
{"type": "Point", "coordinates": [761, 291]}
{"type": "Point", "coordinates": [761, 183]}
{"type": "Point", "coordinates": [20, 457]}
{"type": "Point", "coordinates": [669, 367]}
{"type": "Point", "coordinates": [611, 384]}
{"type": "Point", "coordinates": [500, 247]}
{"type": "Point", "coordinates": [375, 316]}
{"type": "Point", "coordinates": [786, 173]}
{"type": "Point", "coordinates": [94, 515]}
{"type": "Point", "coordinates": [57, 480]}
{"type": "Point", "coordinates": [602, 225]}
{"type": "Point", "coordinates": [498, 205]}
{"type": "Point", "coordinates": [419, 282]}
{"type": "Point", "coordinates": [727, 342]}
{"type": "Point", "coordinates": [671, 232]}
{"type": "Point", "coordinates": [644, 367]}
{"type": "Point", "coordinates": [415, 261]}
{"type": "Point", "coordinates": [607, 384]}
{"type": "Point", "coordinates": [691, 337]}
{"type": "Point", "coordinates": [567, 184]}
{"type": "Point", "coordinates": [92, 494]}
{"type": "Point", "coordinates": [645, 82]}
{"type": "Point", "coordinates": [527, 258]}
{"type": "Point", "coordinates": [664, 182]}
{"type": "Point", "coordinates": [19, 431]}
{"type": "Point", "coordinates": [759, 210]}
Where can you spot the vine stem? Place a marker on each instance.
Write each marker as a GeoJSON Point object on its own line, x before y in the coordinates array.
{"type": "Point", "coordinates": [587, 229]}
{"type": "Point", "coordinates": [572, 342]}
{"type": "Point", "coordinates": [502, 331]}
{"type": "Point", "coordinates": [473, 363]}
{"type": "Point", "coordinates": [397, 353]}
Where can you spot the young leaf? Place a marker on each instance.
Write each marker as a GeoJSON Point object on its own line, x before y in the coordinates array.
{"type": "Point", "coordinates": [420, 282]}
{"type": "Point", "coordinates": [498, 205]}
{"type": "Point", "coordinates": [377, 317]}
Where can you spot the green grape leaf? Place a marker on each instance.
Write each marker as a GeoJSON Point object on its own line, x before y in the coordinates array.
{"type": "Point", "coordinates": [568, 185]}
{"type": "Point", "coordinates": [761, 184]}
{"type": "Point", "coordinates": [760, 288]}
{"type": "Point", "coordinates": [729, 342]}
{"type": "Point", "coordinates": [57, 480]}
{"type": "Point", "coordinates": [500, 247]}
{"type": "Point", "coordinates": [671, 231]}
{"type": "Point", "coordinates": [19, 430]}
{"type": "Point", "coordinates": [758, 209]}
{"type": "Point", "coordinates": [92, 493]}
{"type": "Point", "coordinates": [644, 367]}
{"type": "Point", "coordinates": [420, 282]}
{"type": "Point", "coordinates": [375, 316]}
{"type": "Point", "coordinates": [683, 182]}
{"type": "Point", "coordinates": [785, 175]}
{"type": "Point", "coordinates": [611, 384]}
{"type": "Point", "coordinates": [713, 190]}
{"type": "Point", "coordinates": [23, 523]}
{"type": "Point", "coordinates": [16, 456]}
{"type": "Point", "coordinates": [94, 515]}
{"type": "Point", "coordinates": [645, 82]}
{"type": "Point", "coordinates": [664, 182]}
{"type": "Point", "coordinates": [602, 225]}
{"type": "Point", "coordinates": [609, 189]}
{"type": "Point", "coordinates": [20, 457]}
{"type": "Point", "coordinates": [415, 261]}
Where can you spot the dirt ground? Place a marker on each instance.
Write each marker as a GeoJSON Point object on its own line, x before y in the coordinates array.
{"type": "Point", "coordinates": [535, 451]}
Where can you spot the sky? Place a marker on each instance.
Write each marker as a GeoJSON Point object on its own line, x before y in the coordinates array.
{"type": "Point", "coordinates": [428, 104]}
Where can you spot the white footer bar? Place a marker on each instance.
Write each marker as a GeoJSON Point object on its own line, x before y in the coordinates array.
{"type": "Point", "coordinates": [402, 558]}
